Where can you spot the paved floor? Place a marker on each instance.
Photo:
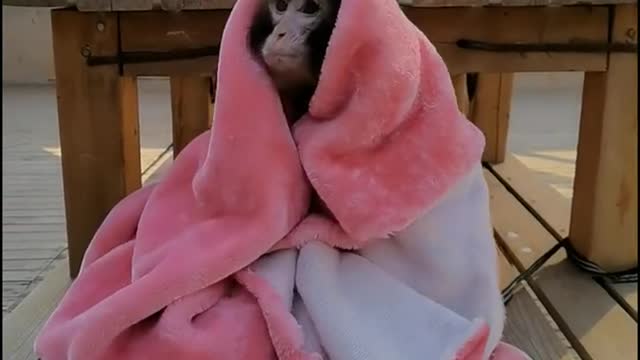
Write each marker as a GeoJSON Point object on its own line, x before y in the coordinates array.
{"type": "Point", "coordinates": [33, 224]}
{"type": "Point", "coordinates": [543, 134]}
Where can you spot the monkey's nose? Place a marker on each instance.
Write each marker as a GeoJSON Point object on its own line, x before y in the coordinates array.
{"type": "Point", "coordinates": [281, 34]}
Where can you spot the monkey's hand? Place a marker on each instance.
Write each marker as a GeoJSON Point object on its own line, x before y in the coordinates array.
{"type": "Point", "coordinates": [316, 227]}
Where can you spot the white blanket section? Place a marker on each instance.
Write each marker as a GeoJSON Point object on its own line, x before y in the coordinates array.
{"type": "Point", "coordinates": [419, 295]}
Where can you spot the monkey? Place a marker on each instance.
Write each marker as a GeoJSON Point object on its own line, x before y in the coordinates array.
{"type": "Point", "coordinates": [290, 39]}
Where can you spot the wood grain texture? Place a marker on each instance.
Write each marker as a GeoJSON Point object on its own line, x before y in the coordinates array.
{"type": "Point", "coordinates": [528, 328]}
{"type": "Point", "coordinates": [513, 25]}
{"type": "Point", "coordinates": [506, 271]}
{"type": "Point", "coordinates": [604, 220]}
{"type": "Point", "coordinates": [462, 97]}
{"type": "Point", "coordinates": [555, 209]}
{"type": "Point", "coordinates": [174, 5]}
{"type": "Point", "coordinates": [546, 201]}
{"type": "Point", "coordinates": [98, 119]}
{"type": "Point", "coordinates": [191, 109]}
{"type": "Point", "coordinates": [490, 109]}
{"type": "Point", "coordinates": [594, 323]}
{"type": "Point", "coordinates": [167, 31]}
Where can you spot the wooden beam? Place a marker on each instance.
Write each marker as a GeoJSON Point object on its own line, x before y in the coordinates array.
{"type": "Point", "coordinates": [190, 108]}
{"type": "Point", "coordinates": [165, 31]}
{"type": "Point", "coordinates": [490, 110]}
{"type": "Point", "coordinates": [513, 25]}
{"type": "Point", "coordinates": [604, 218]}
{"type": "Point", "coordinates": [462, 97]}
{"type": "Point", "coordinates": [98, 118]}
{"type": "Point", "coordinates": [137, 5]}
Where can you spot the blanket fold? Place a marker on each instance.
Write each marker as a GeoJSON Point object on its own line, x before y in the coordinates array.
{"type": "Point", "coordinates": [221, 259]}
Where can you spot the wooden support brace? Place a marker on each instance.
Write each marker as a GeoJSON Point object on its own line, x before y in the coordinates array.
{"type": "Point", "coordinates": [489, 110]}
{"type": "Point", "coordinates": [604, 219]}
{"type": "Point", "coordinates": [98, 119]}
{"type": "Point", "coordinates": [191, 109]}
{"type": "Point", "coordinates": [462, 97]}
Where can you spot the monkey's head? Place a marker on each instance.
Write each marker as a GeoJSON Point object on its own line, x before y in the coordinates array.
{"type": "Point", "coordinates": [298, 35]}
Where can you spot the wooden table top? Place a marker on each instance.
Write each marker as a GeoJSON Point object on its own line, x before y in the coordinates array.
{"type": "Point", "coordinates": [172, 5]}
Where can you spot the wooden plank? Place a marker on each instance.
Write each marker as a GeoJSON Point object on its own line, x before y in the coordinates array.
{"type": "Point", "coordinates": [462, 97]}
{"type": "Point", "coordinates": [133, 5]}
{"type": "Point", "coordinates": [34, 236]}
{"type": "Point", "coordinates": [490, 110]}
{"type": "Point", "coordinates": [514, 25]}
{"type": "Point", "coordinates": [506, 271]}
{"type": "Point", "coordinates": [526, 326]}
{"type": "Point", "coordinates": [595, 325]}
{"type": "Point", "coordinates": [14, 288]}
{"type": "Point", "coordinates": [98, 117]}
{"type": "Point", "coordinates": [22, 264]}
{"type": "Point", "coordinates": [529, 329]}
{"type": "Point", "coordinates": [629, 292]}
{"type": "Point", "coordinates": [20, 275]}
{"type": "Point", "coordinates": [33, 254]}
{"type": "Point", "coordinates": [20, 327]}
{"type": "Point", "coordinates": [35, 228]}
{"type": "Point", "coordinates": [165, 31]}
{"type": "Point", "coordinates": [190, 108]}
{"type": "Point", "coordinates": [159, 169]}
{"type": "Point", "coordinates": [162, 31]}
{"type": "Point", "coordinates": [28, 244]}
{"type": "Point", "coordinates": [24, 220]}
{"type": "Point", "coordinates": [604, 221]}
{"type": "Point", "coordinates": [555, 209]}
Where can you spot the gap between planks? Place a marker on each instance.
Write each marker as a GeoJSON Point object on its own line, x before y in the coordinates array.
{"type": "Point", "coordinates": [555, 210]}
{"type": "Point", "coordinates": [594, 323]}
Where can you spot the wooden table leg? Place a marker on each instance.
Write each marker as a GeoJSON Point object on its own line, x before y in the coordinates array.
{"type": "Point", "coordinates": [462, 97]}
{"type": "Point", "coordinates": [604, 221]}
{"type": "Point", "coordinates": [489, 110]}
{"type": "Point", "coordinates": [98, 118]}
{"type": "Point", "coordinates": [190, 107]}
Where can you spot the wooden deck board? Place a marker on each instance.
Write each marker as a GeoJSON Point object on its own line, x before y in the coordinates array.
{"type": "Point", "coordinates": [554, 208]}
{"type": "Point", "coordinates": [528, 328]}
{"type": "Point", "coordinates": [597, 326]}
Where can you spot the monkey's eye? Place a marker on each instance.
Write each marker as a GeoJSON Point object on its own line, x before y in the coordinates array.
{"type": "Point", "coordinates": [310, 7]}
{"type": "Point", "coordinates": [281, 5]}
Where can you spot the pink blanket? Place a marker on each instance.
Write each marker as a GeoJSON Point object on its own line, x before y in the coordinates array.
{"type": "Point", "coordinates": [196, 266]}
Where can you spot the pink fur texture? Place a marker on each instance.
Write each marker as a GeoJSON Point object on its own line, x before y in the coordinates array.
{"type": "Point", "coordinates": [166, 276]}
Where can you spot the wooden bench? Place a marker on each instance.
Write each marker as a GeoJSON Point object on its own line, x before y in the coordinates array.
{"type": "Point", "coordinates": [98, 108]}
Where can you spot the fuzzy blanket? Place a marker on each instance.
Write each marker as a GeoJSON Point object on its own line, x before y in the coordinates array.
{"type": "Point", "coordinates": [221, 259]}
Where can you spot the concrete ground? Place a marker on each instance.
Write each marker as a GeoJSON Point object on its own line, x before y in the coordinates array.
{"type": "Point", "coordinates": [543, 134]}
